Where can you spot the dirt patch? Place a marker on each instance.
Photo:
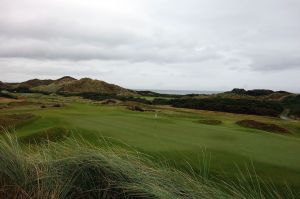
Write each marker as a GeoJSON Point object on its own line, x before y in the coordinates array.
{"type": "Point", "coordinates": [52, 134]}
{"type": "Point", "coordinates": [15, 120]}
{"type": "Point", "coordinates": [273, 128]}
{"type": "Point", "coordinates": [209, 122]}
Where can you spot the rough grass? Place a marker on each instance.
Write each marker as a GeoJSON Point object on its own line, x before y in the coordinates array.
{"type": "Point", "coordinates": [14, 120]}
{"type": "Point", "coordinates": [75, 169]}
{"type": "Point", "coordinates": [209, 122]}
{"type": "Point", "coordinates": [52, 134]}
{"type": "Point", "coordinates": [273, 128]}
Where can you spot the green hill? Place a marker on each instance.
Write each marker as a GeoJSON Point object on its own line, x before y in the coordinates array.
{"type": "Point", "coordinates": [68, 85]}
{"type": "Point", "coordinates": [256, 94]}
{"type": "Point", "coordinates": [87, 85]}
{"type": "Point", "coordinates": [55, 85]}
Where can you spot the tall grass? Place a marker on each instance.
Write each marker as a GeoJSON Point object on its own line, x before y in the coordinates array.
{"type": "Point", "coordinates": [75, 169]}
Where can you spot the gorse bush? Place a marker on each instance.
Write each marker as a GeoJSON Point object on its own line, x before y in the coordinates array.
{"type": "Point", "coordinates": [75, 169]}
{"type": "Point", "coordinates": [241, 106]}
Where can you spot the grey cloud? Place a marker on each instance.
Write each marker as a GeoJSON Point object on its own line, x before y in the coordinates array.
{"type": "Point", "coordinates": [277, 63]}
{"type": "Point", "coordinates": [66, 49]}
{"type": "Point", "coordinates": [193, 41]}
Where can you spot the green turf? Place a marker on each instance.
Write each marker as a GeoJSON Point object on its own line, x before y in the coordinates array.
{"type": "Point", "coordinates": [176, 137]}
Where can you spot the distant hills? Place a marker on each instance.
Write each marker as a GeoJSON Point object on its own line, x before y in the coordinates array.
{"type": "Point", "coordinates": [257, 101]}
{"type": "Point", "coordinates": [3, 86]}
{"type": "Point", "coordinates": [258, 94]}
{"type": "Point", "coordinates": [67, 84]}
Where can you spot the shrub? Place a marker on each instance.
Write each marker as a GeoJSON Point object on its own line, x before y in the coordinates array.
{"type": "Point", "coordinates": [241, 106]}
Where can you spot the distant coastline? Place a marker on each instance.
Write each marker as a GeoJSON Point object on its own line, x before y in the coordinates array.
{"type": "Point", "coordinates": [180, 92]}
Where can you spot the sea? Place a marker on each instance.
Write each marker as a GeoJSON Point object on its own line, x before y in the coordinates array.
{"type": "Point", "coordinates": [181, 92]}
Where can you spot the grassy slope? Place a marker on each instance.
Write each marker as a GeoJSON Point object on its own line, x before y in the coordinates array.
{"type": "Point", "coordinates": [175, 137]}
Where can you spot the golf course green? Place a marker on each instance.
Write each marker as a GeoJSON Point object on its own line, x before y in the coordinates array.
{"type": "Point", "coordinates": [175, 137]}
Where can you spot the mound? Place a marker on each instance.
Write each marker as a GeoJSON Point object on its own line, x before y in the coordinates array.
{"type": "Point", "coordinates": [52, 134]}
{"type": "Point", "coordinates": [273, 128]}
{"type": "Point", "coordinates": [209, 122]}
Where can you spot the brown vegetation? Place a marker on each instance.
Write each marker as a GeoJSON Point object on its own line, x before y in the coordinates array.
{"type": "Point", "coordinates": [273, 128]}
{"type": "Point", "coordinates": [209, 122]}
{"type": "Point", "coordinates": [14, 120]}
{"type": "Point", "coordinates": [136, 108]}
{"type": "Point", "coordinates": [109, 101]}
{"type": "Point", "coordinates": [52, 134]}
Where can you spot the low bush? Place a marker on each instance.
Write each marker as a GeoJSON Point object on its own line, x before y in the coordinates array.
{"type": "Point", "coordinates": [7, 95]}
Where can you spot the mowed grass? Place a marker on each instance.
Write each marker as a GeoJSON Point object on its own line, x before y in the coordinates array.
{"type": "Point", "coordinates": [175, 137]}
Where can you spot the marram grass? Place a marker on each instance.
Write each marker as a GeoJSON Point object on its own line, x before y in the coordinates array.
{"type": "Point", "coordinates": [75, 169]}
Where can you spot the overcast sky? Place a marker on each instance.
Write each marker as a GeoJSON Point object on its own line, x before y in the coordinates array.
{"type": "Point", "coordinates": [154, 44]}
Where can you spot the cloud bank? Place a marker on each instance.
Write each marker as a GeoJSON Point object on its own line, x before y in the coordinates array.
{"type": "Point", "coordinates": [166, 44]}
